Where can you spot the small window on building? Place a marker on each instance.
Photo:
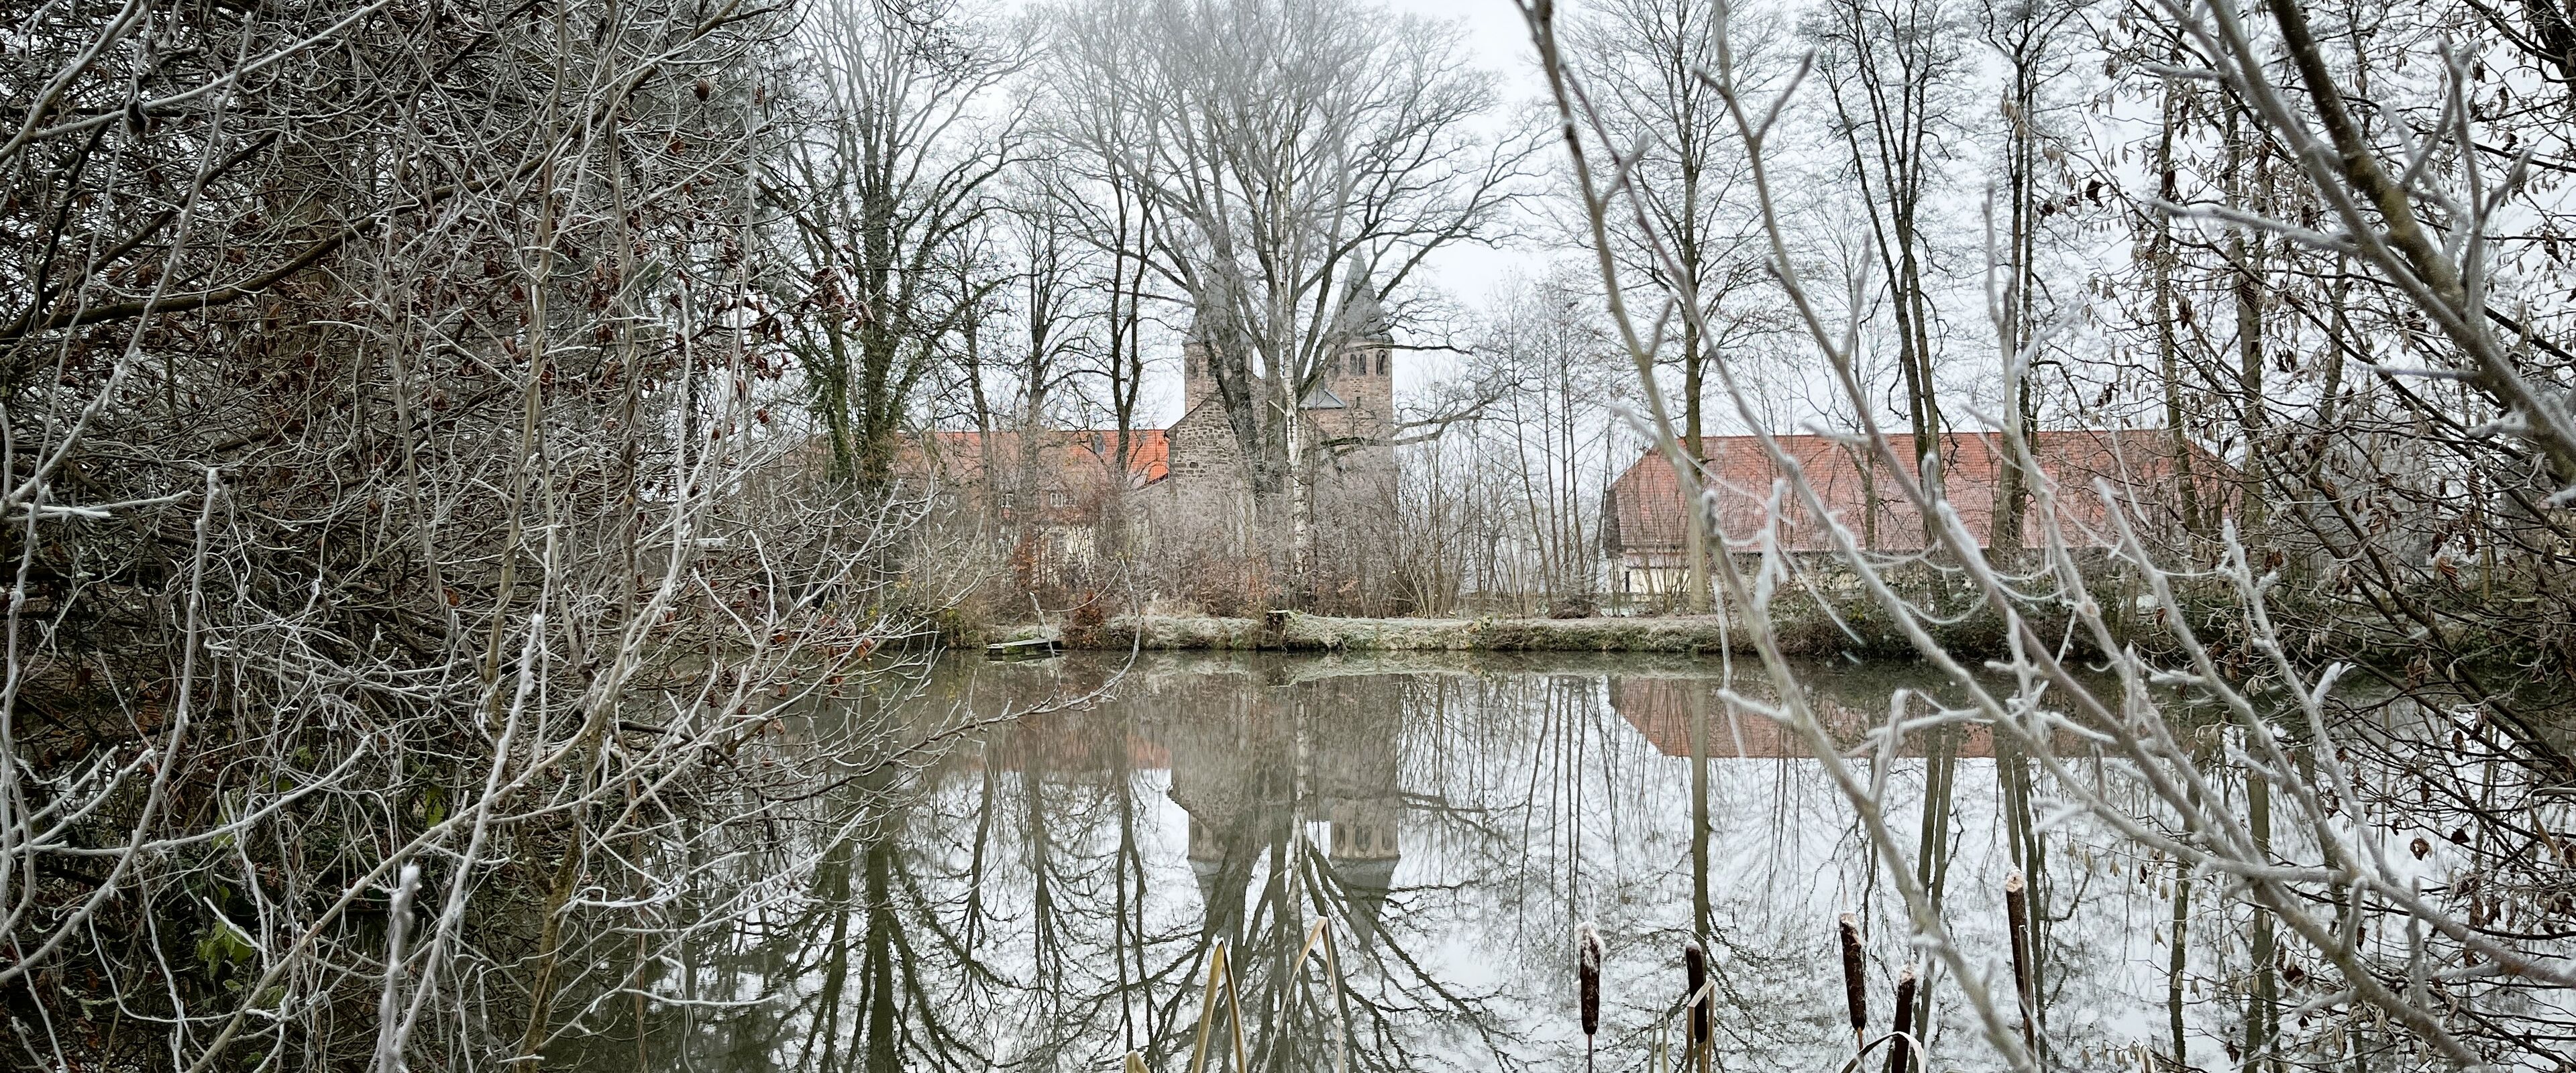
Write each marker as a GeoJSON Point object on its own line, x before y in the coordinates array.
{"type": "Point", "coordinates": [1359, 363]}
{"type": "Point", "coordinates": [1381, 363]}
{"type": "Point", "coordinates": [1059, 498]}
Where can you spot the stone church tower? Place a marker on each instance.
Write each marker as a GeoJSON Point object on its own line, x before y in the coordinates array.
{"type": "Point", "coordinates": [1354, 402]}
{"type": "Point", "coordinates": [1326, 525]}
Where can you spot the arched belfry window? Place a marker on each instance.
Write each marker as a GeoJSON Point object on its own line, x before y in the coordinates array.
{"type": "Point", "coordinates": [1381, 363]}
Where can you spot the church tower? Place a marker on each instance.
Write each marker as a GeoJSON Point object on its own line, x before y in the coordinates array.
{"type": "Point", "coordinates": [1358, 396]}
{"type": "Point", "coordinates": [1363, 374]}
{"type": "Point", "coordinates": [1352, 400]}
{"type": "Point", "coordinates": [1196, 385]}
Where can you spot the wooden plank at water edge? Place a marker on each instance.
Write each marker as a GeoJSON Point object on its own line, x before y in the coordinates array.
{"type": "Point", "coordinates": [1024, 648]}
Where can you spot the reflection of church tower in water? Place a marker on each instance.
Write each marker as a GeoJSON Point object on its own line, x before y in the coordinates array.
{"type": "Point", "coordinates": [1228, 772]}
{"type": "Point", "coordinates": [1272, 765]}
{"type": "Point", "coordinates": [1355, 782]}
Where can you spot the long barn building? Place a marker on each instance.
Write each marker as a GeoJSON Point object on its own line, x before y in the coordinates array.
{"type": "Point", "coordinates": [1644, 534]}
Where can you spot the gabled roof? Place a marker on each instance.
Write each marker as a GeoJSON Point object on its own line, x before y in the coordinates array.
{"type": "Point", "coordinates": [1663, 712]}
{"type": "Point", "coordinates": [1643, 512]}
{"type": "Point", "coordinates": [1322, 398]}
{"type": "Point", "coordinates": [1075, 454]}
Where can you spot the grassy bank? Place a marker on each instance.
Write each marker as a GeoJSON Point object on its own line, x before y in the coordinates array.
{"type": "Point", "coordinates": [1312, 633]}
{"type": "Point", "coordinates": [1811, 633]}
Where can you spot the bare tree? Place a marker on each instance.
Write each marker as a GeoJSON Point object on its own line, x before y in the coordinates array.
{"type": "Point", "coordinates": [1110, 213]}
{"type": "Point", "coordinates": [1300, 162]}
{"type": "Point", "coordinates": [2034, 40]}
{"type": "Point", "coordinates": [1892, 68]}
{"type": "Point", "coordinates": [401, 562]}
{"type": "Point", "coordinates": [2373, 939]}
{"type": "Point", "coordinates": [1644, 57]}
{"type": "Point", "coordinates": [1553, 435]}
{"type": "Point", "coordinates": [882, 190]}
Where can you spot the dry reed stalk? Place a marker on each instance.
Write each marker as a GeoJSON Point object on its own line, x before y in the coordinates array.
{"type": "Point", "coordinates": [2030, 856]}
{"type": "Point", "coordinates": [1932, 863]}
{"type": "Point", "coordinates": [1341, 1001]}
{"type": "Point", "coordinates": [2181, 959]}
{"type": "Point", "coordinates": [1218, 971]}
{"type": "Point", "coordinates": [2262, 1008]}
{"type": "Point", "coordinates": [1855, 984]}
{"type": "Point", "coordinates": [1901, 1048]}
{"type": "Point", "coordinates": [1321, 935]}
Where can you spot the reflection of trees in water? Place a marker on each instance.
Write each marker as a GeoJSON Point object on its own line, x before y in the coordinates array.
{"type": "Point", "coordinates": [858, 964]}
{"type": "Point", "coordinates": [1046, 896]}
{"type": "Point", "coordinates": [866, 970]}
{"type": "Point", "coordinates": [1530, 802]}
{"type": "Point", "coordinates": [1295, 802]}
{"type": "Point", "coordinates": [1608, 765]}
{"type": "Point", "coordinates": [1599, 826]}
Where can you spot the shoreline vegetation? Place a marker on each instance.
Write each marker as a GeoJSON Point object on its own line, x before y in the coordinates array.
{"type": "Point", "coordinates": [1293, 631]}
{"type": "Point", "coordinates": [1805, 628]}
{"type": "Point", "coordinates": [490, 488]}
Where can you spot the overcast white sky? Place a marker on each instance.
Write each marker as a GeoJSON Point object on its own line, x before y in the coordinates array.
{"type": "Point", "coordinates": [1499, 42]}
{"type": "Point", "coordinates": [1496, 41]}
{"type": "Point", "coordinates": [1493, 26]}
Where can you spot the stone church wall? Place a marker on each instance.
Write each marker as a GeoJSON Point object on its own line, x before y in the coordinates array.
{"type": "Point", "coordinates": [1201, 517]}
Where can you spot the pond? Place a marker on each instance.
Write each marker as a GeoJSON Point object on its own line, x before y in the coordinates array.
{"type": "Point", "coordinates": [1046, 893]}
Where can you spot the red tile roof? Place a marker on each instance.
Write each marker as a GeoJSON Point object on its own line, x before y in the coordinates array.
{"type": "Point", "coordinates": [1073, 454]}
{"type": "Point", "coordinates": [1644, 507]}
{"type": "Point", "coordinates": [1661, 710]}
{"type": "Point", "coordinates": [1073, 474]}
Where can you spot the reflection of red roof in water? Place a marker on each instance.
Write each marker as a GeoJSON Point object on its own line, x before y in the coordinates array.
{"type": "Point", "coordinates": [1064, 743]}
{"type": "Point", "coordinates": [1660, 709]}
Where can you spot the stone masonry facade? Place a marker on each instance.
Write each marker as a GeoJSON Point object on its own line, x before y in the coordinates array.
{"type": "Point", "coordinates": [1208, 480]}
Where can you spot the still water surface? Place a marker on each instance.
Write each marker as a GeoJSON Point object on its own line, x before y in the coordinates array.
{"type": "Point", "coordinates": [1044, 894]}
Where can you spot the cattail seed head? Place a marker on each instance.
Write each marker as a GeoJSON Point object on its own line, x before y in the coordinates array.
{"type": "Point", "coordinates": [2017, 925]}
{"type": "Point", "coordinates": [1587, 974]}
{"type": "Point", "coordinates": [1694, 977]}
{"type": "Point", "coordinates": [1855, 988]}
{"type": "Point", "coordinates": [1900, 1052]}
